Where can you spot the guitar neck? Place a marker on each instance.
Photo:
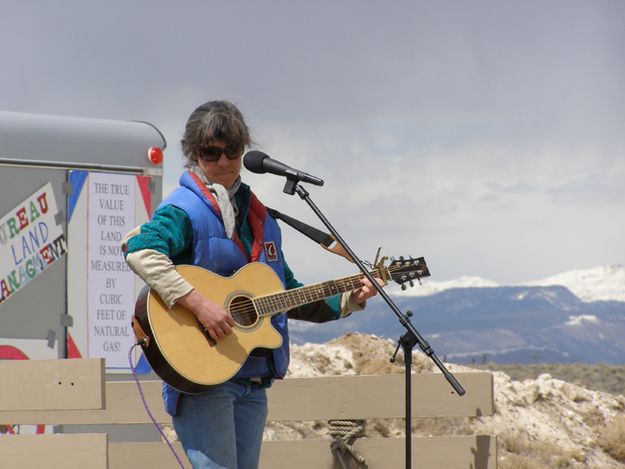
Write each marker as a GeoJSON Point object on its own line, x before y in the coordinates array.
{"type": "Point", "coordinates": [268, 305]}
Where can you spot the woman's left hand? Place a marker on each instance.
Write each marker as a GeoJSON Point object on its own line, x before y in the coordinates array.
{"type": "Point", "coordinates": [365, 292]}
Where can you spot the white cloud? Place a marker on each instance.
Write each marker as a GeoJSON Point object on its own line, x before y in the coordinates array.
{"type": "Point", "coordinates": [487, 137]}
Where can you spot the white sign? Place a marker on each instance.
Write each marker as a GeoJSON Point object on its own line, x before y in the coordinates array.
{"type": "Point", "coordinates": [30, 241]}
{"type": "Point", "coordinates": [110, 281]}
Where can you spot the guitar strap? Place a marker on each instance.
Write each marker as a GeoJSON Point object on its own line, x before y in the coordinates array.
{"type": "Point", "coordinates": [324, 239]}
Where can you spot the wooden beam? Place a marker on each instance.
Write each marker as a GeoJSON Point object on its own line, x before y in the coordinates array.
{"type": "Point", "coordinates": [149, 455]}
{"type": "Point", "coordinates": [476, 452]}
{"type": "Point", "coordinates": [379, 396]}
{"type": "Point", "coordinates": [323, 398]}
{"type": "Point", "coordinates": [123, 406]}
{"type": "Point", "coordinates": [51, 384]}
{"type": "Point", "coordinates": [54, 451]}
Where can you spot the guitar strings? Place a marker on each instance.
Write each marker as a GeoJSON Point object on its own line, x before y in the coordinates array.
{"type": "Point", "coordinates": [249, 311]}
{"type": "Point", "coordinates": [269, 302]}
{"type": "Point", "coordinates": [245, 313]}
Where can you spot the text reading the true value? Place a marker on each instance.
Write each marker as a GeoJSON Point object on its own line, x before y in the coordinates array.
{"type": "Point", "coordinates": [111, 299]}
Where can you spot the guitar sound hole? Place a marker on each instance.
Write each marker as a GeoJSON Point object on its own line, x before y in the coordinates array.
{"type": "Point", "coordinates": [243, 312]}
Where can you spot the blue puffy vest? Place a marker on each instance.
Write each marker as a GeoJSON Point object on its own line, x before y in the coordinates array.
{"type": "Point", "coordinates": [212, 250]}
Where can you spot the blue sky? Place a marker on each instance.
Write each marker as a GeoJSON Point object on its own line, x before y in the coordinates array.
{"type": "Point", "coordinates": [487, 136]}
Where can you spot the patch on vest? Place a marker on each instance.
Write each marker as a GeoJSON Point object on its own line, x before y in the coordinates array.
{"type": "Point", "coordinates": [270, 251]}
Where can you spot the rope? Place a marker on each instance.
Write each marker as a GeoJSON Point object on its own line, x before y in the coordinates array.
{"type": "Point", "coordinates": [343, 434]}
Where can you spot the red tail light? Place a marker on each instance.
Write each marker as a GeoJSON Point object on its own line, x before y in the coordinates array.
{"type": "Point", "coordinates": [155, 155]}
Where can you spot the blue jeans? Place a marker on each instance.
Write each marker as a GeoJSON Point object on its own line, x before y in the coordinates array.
{"type": "Point", "coordinates": [223, 428]}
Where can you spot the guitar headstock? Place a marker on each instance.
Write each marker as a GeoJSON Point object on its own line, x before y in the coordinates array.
{"type": "Point", "coordinates": [406, 271]}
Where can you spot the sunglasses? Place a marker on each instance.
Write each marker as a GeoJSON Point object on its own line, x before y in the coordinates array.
{"type": "Point", "coordinates": [212, 153]}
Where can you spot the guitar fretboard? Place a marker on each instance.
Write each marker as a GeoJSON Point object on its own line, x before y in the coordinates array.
{"type": "Point", "coordinates": [268, 305]}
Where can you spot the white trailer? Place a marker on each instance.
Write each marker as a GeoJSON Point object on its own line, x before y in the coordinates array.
{"type": "Point", "coordinates": [69, 189]}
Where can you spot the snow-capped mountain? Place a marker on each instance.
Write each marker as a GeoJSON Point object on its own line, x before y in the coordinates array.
{"type": "Point", "coordinates": [471, 319]}
{"type": "Point", "coordinates": [603, 283]}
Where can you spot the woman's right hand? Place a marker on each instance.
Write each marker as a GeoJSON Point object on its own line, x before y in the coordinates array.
{"type": "Point", "coordinates": [217, 322]}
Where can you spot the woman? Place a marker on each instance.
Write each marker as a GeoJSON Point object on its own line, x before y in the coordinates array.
{"type": "Point", "coordinates": [213, 220]}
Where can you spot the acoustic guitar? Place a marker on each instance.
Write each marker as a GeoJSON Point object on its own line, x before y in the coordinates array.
{"type": "Point", "coordinates": [182, 353]}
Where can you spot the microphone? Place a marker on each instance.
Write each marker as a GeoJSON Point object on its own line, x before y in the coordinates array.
{"type": "Point", "coordinates": [260, 163]}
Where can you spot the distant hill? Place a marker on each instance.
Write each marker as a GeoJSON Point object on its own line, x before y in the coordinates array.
{"type": "Point", "coordinates": [500, 324]}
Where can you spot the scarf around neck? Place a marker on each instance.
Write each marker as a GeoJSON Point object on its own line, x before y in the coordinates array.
{"type": "Point", "coordinates": [224, 198]}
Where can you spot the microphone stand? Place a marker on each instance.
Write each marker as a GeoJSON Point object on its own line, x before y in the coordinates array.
{"type": "Point", "coordinates": [407, 341]}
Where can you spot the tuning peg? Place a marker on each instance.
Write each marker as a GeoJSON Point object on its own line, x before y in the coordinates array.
{"type": "Point", "coordinates": [403, 286]}
{"type": "Point", "coordinates": [401, 258]}
{"type": "Point", "coordinates": [411, 283]}
{"type": "Point", "coordinates": [392, 259]}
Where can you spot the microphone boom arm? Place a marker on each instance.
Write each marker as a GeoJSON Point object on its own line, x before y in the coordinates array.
{"type": "Point", "coordinates": [407, 341]}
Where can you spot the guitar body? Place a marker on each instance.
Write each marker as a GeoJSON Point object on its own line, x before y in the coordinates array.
{"type": "Point", "coordinates": [182, 353]}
